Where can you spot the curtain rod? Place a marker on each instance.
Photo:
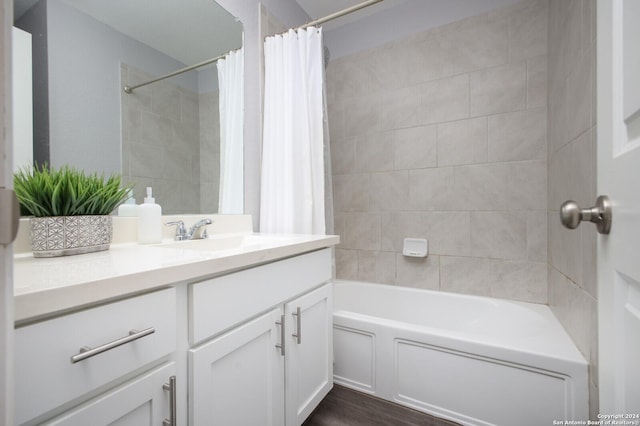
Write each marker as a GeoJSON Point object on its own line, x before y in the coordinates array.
{"type": "Point", "coordinates": [129, 89]}
{"type": "Point", "coordinates": [339, 14]}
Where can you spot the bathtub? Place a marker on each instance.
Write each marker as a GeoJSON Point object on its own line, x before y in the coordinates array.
{"type": "Point", "coordinates": [474, 360]}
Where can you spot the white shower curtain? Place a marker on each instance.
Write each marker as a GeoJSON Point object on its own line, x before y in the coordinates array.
{"type": "Point", "coordinates": [292, 186]}
{"type": "Point", "coordinates": [231, 103]}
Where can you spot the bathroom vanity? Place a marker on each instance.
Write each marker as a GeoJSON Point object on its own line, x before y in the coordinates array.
{"type": "Point", "coordinates": [228, 330]}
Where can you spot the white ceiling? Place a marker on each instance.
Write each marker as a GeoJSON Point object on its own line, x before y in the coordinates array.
{"type": "Point", "coordinates": [187, 30]}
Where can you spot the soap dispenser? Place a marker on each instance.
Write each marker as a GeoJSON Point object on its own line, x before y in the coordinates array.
{"type": "Point", "coordinates": [149, 220]}
{"type": "Point", "coordinates": [129, 207]}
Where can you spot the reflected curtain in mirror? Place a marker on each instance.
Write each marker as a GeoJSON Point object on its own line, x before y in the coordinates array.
{"type": "Point", "coordinates": [292, 188]}
{"type": "Point", "coordinates": [231, 105]}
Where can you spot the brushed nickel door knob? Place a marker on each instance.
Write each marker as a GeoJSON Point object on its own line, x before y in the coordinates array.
{"type": "Point", "coordinates": [571, 214]}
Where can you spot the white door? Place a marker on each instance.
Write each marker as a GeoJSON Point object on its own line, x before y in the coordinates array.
{"type": "Point", "coordinates": [309, 353]}
{"type": "Point", "coordinates": [619, 178]}
{"type": "Point", "coordinates": [237, 379]}
{"type": "Point", "coordinates": [6, 252]}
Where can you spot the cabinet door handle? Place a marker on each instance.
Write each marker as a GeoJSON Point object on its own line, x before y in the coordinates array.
{"type": "Point", "coordinates": [173, 413]}
{"type": "Point", "coordinates": [87, 352]}
{"type": "Point", "coordinates": [298, 333]}
{"type": "Point", "coordinates": [282, 333]}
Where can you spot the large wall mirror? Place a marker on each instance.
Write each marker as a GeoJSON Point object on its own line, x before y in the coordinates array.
{"type": "Point", "coordinates": [166, 135]}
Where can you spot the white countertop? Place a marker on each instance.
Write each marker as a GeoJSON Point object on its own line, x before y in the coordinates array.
{"type": "Point", "coordinates": [44, 287]}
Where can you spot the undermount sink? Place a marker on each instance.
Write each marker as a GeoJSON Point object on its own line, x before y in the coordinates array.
{"type": "Point", "coordinates": [221, 243]}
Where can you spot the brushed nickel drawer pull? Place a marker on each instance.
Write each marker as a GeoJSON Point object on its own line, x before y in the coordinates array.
{"type": "Point", "coordinates": [173, 414]}
{"type": "Point", "coordinates": [87, 352]}
{"type": "Point", "coordinates": [282, 333]}
{"type": "Point", "coordinates": [298, 333]}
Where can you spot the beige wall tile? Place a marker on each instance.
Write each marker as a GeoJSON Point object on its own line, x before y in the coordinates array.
{"type": "Point", "coordinates": [177, 166]}
{"type": "Point", "coordinates": [481, 187]}
{"type": "Point", "coordinates": [525, 281]}
{"type": "Point", "coordinates": [414, 148]}
{"type": "Point", "coordinates": [440, 57]}
{"type": "Point", "coordinates": [156, 130]}
{"type": "Point", "coordinates": [362, 231]}
{"type": "Point", "coordinates": [438, 137]}
{"type": "Point", "coordinates": [347, 264]}
{"type": "Point", "coordinates": [446, 99]}
{"type": "Point", "coordinates": [448, 233]}
{"type": "Point", "coordinates": [343, 153]}
{"type": "Point", "coordinates": [528, 31]}
{"type": "Point", "coordinates": [499, 89]}
{"type": "Point", "coordinates": [361, 116]}
{"type": "Point", "coordinates": [165, 100]}
{"type": "Point", "coordinates": [147, 160]}
{"type": "Point", "coordinates": [336, 119]}
{"type": "Point", "coordinates": [498, 235]}
{"type": "Point", "coordinates": [389, 191]}
{"type": "Point", "coordinates": [418, 272]}
{"type": "Point", "coordinates": [478, 42]}
{"type": "Point", "coordinates": [396, 62]}
{"type": "Point", "coordinates": [377, 266]}
{"type": "Point", "coordinates": [465, 275]}
{"type": "Point", "coordinates": [398, 225]}
{"type": "Point", "coordinates": [374, 152]}
{"type": "Point", "coordinates": [571, 34]}
{"type": "Point", "coordinates": [518, 135]}
{"type": "Point", "coordinates": [351, 77]}
{"type": "Point", "coordinates": [431, 189]}
{"type": "Point", "coordinates": [578, 95]}
{"type": "Point", "coordinates": [528, 185]}
{"type": "Point", "coordinates": [537, 82]}
{"type": "Point", "coordinates": [537, 236]}
{"type": "Point", "coordinates": [573, 307]}
{"type": "Point", "coordinates": [351, 193]}
{"type": "Point", "coordinates": [400, 108]}
{"type": "Point", "coordinates": [462, 142]}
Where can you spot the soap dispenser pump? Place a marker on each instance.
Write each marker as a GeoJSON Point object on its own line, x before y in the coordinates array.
{"type": "Point", "coordinates": [149, 220]}
{"type": "Point", "coordinates": [129, 207]}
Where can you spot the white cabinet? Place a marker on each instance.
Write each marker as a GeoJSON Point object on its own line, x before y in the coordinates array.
{"type": "Point", "coordinates": [236, 379]}
{"type": "Point", "coordinates": [144, 401]}
{"type": "Point", "coordinates": [49, 374]}
{"type": "Point", "coordinates": [309, 355]}
{"type": "Point", "coordinates": [272, 369]}
{"type": "Point", "coordinates": [252, 347]}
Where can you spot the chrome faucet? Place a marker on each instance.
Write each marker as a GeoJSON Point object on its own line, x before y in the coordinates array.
{"type": "Point", "coordinates": [182, 233]}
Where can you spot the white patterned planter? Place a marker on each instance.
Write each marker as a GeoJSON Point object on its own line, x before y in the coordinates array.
{"type": "Point", "coordinates": [68, 235]}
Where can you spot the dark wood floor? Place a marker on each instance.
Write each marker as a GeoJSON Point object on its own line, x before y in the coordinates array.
{"type": "Point", "coordinates": [345, 407]}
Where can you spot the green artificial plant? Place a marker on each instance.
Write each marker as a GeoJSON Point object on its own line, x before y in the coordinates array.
{"type": "Point", "coordinates": [46, 191]}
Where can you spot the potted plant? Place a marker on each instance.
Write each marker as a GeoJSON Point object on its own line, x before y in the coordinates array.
{"type": "Point", "coordinates": [71, 209]}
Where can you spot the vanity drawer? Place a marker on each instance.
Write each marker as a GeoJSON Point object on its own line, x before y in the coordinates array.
{"type": "Point", "coordinates": [47, 378]}
{"type": "Point", "coordinates": [220, 303]}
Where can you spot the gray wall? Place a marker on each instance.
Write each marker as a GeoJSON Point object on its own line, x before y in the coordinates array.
{"type": "Point", "coordinates": [84, 58]}
{"type": "Point", "coordinates": [572, 174]}
{"type": "Point", "coordinates": [442, 135]}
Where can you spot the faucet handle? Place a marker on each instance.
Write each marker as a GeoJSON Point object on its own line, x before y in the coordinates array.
{"type": "Point", "coordinates": [181, 230]}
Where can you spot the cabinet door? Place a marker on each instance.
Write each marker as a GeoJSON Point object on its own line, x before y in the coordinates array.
{"type": "Point", "coordinates": [142, 401]}
{"type": "Point", "coordinates": [309, 361]}
{"type": "Point", "coordinates": [237, 378]}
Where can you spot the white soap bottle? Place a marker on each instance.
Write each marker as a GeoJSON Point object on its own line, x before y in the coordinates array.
{"type": "Point", "coordinates": [129, 207]}
{"type": "Point", "coordinates": [149, 220]}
